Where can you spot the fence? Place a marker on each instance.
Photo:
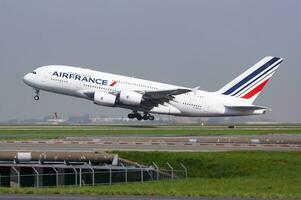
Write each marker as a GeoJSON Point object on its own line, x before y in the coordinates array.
{"type": "Point", "coordinates": [49, 175]}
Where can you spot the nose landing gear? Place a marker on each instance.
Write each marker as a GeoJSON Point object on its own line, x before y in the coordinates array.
{"type": "Point", "coordinates": [139, 117]}
{"type": "Point", "coordinates": [37, 97]}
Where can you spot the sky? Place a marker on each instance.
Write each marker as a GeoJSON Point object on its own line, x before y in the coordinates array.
{"type": "Point", "coordinates": [189, 43]}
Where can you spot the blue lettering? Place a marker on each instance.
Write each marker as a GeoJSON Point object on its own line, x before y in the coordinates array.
{"type": "Point", "coordinates": [85, 79]}
{"type": "Point", "coordinates": [71, 76]}
{"type": "Point", "coordinates": [92, 80]}
{"type": "Point", "coordinates": [98, 81]}
{"type": "Point", "coordinates": [55, 74]}
{"type": "Point", "coordinates": [80, 78]}
{"type": "Point", "coordinates": [77, 77]}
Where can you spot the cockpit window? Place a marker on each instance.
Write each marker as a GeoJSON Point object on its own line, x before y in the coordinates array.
{"type": "Point", "coordinates": [34, 72]}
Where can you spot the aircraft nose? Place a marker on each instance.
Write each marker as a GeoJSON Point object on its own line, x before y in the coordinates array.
{"type": "Point", "coordinates": [27, 78]}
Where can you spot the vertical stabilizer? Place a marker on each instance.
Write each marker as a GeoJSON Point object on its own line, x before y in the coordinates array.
{"type": "Point", "coordinates": [249, 84]}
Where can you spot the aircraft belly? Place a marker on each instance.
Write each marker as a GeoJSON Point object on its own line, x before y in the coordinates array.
{"type": "Point", "coordinates": [165, 109]}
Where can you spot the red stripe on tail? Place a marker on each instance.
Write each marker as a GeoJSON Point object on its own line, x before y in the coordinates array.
{"type": "Point", "coordinates": [255, 90]}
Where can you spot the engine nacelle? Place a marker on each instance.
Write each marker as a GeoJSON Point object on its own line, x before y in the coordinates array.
{"type": "Point", "coordinates": [130, 98]}
{"type": "Point", "coordinates": [104, 99]}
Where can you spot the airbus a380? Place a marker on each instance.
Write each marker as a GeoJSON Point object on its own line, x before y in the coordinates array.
{"type": "Point", "coordinates": [145, 97]}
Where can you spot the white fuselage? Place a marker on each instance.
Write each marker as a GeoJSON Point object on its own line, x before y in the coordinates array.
{"type": "Point", "coordinates": [80, 82]}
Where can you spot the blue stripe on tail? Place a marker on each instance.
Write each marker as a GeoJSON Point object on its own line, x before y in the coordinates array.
{"type": "Point", "coordinates": [247, 85]}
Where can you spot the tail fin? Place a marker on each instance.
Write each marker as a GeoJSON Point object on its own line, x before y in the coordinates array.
{"type": "Point", "coordinates": [250, 83]}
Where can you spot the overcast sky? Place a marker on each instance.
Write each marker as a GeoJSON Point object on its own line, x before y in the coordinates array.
{"type": "Point", "coordinates": [188, 43]}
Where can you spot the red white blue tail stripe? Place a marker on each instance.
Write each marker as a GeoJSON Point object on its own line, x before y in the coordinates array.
{"type": "Point", "coordinates": [249, 84]}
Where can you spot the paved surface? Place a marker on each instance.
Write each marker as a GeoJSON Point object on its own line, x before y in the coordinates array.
{"type": "Point", "coordinates": [263, 139]}
{"type": "Point", "coordinates": [141, 147]}
{"type": "Point", "coordinates": [64, 197]}
{"type": "Point", "coordinates": [208, 143]}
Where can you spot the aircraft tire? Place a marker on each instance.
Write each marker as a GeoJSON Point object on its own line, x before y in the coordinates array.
{"type": "Point", "coordinates": [131, 116]}
{"type": "Point", "coordinates": [151, 117]}
{"type": "Point", "coordinates": [36, 97]}
{"type": "Point", "coordinates": [139, 117]}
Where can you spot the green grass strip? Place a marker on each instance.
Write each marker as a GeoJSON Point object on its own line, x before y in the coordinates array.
{"type": "Point", "coordinates": [215, 174]}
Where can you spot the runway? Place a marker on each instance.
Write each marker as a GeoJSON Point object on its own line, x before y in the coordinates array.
{"type": "Point", "coordinates": [202, 143]}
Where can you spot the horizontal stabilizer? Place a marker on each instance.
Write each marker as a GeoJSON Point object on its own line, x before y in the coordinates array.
{"type": "Point", "coordinates": [248, 107]}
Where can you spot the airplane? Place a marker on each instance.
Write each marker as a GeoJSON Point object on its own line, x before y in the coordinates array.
{"type": "Point", "coordinates": [146, 98]}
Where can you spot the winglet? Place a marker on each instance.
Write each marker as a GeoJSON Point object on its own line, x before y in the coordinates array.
{"type": "Point", "coordinates": [194, 90]}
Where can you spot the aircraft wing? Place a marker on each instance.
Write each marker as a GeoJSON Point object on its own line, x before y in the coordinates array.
{"type": "Point", "coordinates": [159, 94]}
{"type": "Point", "coordinates": [154, 98]}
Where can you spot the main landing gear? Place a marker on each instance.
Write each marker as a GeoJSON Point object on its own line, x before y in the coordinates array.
{"type": "Point", "coordinates": [37, 97]}
{"type": "Point", "coordinates": [139, 117]}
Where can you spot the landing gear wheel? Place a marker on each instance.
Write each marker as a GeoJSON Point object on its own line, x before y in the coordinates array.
{"type": "Point", "coordinates": [131, 116]}
{"type": "Point", "coordinates": [139, 117]}
{"type": "Point", "coordinates": [36, 97]}
{"type": "Point", "coordinates": [145, 117]}
{"type": "Point", "coordinates": [148, 116]}
{"type": "Point", "coordinates": [151, 117]}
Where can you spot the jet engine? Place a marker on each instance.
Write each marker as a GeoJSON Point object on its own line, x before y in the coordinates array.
{"type": "Point", "coordinates": [130, 98]}
{"type": "Point", "coordinates": [104, 99]}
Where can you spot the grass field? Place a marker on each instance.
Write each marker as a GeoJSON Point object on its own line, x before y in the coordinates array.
{"type": "Point", "coordinates": [55, 132]}
{"type": "Point", "coordinates": [215, 174]}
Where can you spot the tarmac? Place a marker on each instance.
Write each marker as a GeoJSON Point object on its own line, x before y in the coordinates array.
{"type": "Point", "coordinates": [201, 143]}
